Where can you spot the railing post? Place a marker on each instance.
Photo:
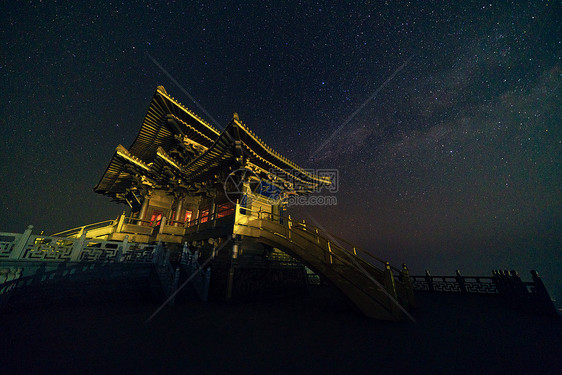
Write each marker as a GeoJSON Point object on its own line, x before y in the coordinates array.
{"type": "Point", "coordinates": [518, 290]}
{"type": "Point", "coordinates": [506, 288]}
{"type": "Point", "coordinates": [540, 289]}
{"type": "Point", "coordinates": [123, 250]}
{"type": "Point", "coordinates": [81, 232]}
{"type": "Point", "coordinates": [236, 212]}
{"type": "Point", "coordinates": [77, 247]}
{"type": "Point", "coordinates": [21, 244]}
{"type": "Point", "coordinates": [408, 284]}
{"type": "Point", "coordinates": [429, 281]}
{"type": "Point", "coordinates": [460, 281]}
{"type": "Point", "coordinates": [330, 252]}
{"type": "Point", "coordinates": [497, 280]}
{"type": "Point", "coordinates": [389, 283]}
{"type": "Point", "coordinates": [544, 302]}
{"type": "Point", "coordinates": [120, 223]}
{"type": "Point", "coordinates": [390, 286]}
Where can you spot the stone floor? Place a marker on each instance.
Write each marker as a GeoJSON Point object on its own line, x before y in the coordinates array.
{"type": "Point", "coordinates": [314, 334]}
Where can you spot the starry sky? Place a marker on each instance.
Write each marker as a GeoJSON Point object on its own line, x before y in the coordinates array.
{"type": "Point", "coordinates": [443, 120]}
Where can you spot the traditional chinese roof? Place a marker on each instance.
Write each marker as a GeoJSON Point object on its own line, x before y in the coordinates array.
{"type": "Point", "coordinates": [165, 121]}
{"type": "Point", "coordinates": [176, 149]}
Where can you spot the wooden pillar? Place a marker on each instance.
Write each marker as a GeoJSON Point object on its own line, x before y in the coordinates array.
{"type": "Point", "coordinates": [212, 211]}
{"type": "Point", "coordinates": [198, 216]}
{"type": "Point", "coordinates": [178, 211]}
{"type": "Point", "coordinates": [143, 210]}
{"type": "Point", "coordinates": [162, 225]}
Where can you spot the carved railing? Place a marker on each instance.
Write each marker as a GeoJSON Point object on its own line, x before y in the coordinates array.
{"type": "Point", "coordinates": [78, 231]}
{"type": "Point", "coordinates": [317, 234]}
{"type": "Point", "coordinates": [336, 259]}
{"type": "Point", "coordinates": [243, 214]}
{"type": "Point", "coordinates": [156, 230]}
{"type": "Point", "coordinates": [455, 284]}
{"type": "Point", "coordinates": [28, 259]}
{"type": "Point", "coordinates": [32, 247]}
{"type": "Point", "coordinates": [527, 295]}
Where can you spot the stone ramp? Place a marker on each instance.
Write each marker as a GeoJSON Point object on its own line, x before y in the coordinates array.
{"type": "Point", "coordinates": [381, 293]}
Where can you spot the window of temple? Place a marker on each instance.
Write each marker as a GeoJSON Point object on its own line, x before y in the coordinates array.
{"type": "Point", "coordinates": [156, 217]}
{"type": "Point", "coordinates": [187, 216]}
{"type": "Point", "coordinates": [225, 209]}
{"type": "Point", "coordinates": [204, 216]}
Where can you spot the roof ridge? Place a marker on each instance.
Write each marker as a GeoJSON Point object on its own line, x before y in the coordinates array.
{"type": "Point", "coordinates": [275, 153]}
{"type": "Point", "coordinates": [162, 91]}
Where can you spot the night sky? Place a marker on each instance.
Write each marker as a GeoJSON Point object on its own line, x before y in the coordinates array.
{"type": "Point", "coordinates": [453, 163]}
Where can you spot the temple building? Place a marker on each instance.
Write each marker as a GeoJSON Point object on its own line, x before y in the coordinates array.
{"type": "Point", "coordinates": [223, 195]}
{"type": "Point", "coordinates": [181, 170]}
{"type": "Point", "coordinates": [183, 179]}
